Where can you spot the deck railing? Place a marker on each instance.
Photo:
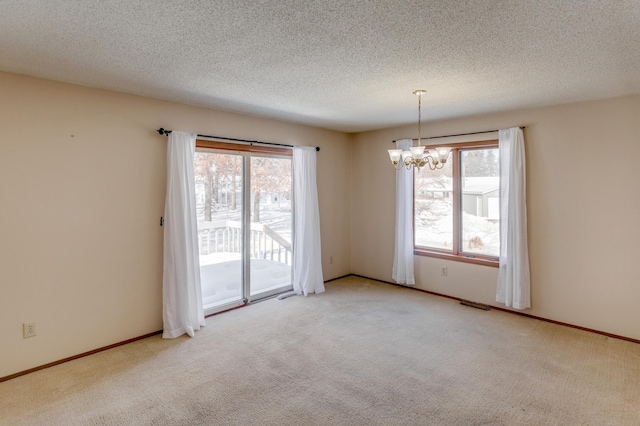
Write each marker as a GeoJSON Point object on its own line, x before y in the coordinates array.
{"type": "Point", "coordinates": [226, 236]}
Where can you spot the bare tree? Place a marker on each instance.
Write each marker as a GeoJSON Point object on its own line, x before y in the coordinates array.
{"type": "Point", "coordinates": [216, 172]}
{"type": "Point", "coordinates": [221, 173]}
{"type": "Point", "coordinates": [204, 168]}
{"type": "Point", "coordinates": [271, 175]}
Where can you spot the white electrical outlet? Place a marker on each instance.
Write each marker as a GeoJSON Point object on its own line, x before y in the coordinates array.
{"type": "Point", "coordinates": [443, 271]}
{"type": "Point", "coordinates": [28, 329]}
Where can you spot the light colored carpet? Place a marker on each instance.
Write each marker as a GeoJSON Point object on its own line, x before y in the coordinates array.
{"type": "Point", "coordinates": [363, 353]}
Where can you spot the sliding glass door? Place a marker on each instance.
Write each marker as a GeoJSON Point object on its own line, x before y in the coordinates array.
{"type": "Point", "coordinates": [219, 187]}
{"type": "Point", "coordinates": [243, 202]}
{"type": "Point", "coordinates": [271, 225]}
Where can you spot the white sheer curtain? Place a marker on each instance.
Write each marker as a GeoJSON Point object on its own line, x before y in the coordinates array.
{"type": "Point", "coordinates": [182, 310]}
{"type": "Point", "coordinates": [513, 277]}
{"type": "Point", "coordinates": [403, 254]}
{"type": "Point", "coordinates": [307, 256]}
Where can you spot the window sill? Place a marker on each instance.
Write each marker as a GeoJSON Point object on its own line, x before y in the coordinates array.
{"type": "Point", "coordinates": [457, 257]}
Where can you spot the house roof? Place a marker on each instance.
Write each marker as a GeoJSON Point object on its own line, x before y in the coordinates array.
{"type": "Point", "coordinates": [346, 65]}
{"type": "Point", "coordinates": [480, 189]}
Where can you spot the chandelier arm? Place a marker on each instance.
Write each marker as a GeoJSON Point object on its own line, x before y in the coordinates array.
{"type": "Point", "coordinates": [432, 164]}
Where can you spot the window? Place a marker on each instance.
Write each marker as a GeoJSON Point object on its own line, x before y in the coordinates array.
{"type": "Point", "coordinates": [456, 208]}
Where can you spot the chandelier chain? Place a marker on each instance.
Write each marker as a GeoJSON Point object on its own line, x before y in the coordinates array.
{"type": "Point", "coordinates": [419, 117]}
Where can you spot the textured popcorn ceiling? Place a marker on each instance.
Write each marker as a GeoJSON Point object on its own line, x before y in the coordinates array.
{"type": "Point", "coordinates": [348, 65]}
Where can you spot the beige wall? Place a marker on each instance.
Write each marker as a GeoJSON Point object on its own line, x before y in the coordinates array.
{"type": "Point", "coordinates": [583, 213]}
{"type": "Point", "coordinates": [82, 177]}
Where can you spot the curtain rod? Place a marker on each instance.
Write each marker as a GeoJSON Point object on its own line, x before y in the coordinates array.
{"type": "Point", "coordinates": [459, 134]}
{"type": "Point", "coordinates": [163, 131]}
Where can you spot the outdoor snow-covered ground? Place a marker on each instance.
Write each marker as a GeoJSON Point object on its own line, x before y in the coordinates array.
{"type": "Point", "coordinates": [222, 280]}
{"type": "Point", "coordinates": [221, 273]}
{"type": "Point", "coordinates": [439, 233]}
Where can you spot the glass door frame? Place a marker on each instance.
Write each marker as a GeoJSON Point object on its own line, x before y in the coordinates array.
{"type": "Point", "coordinates": [247, 225]}
{"type": "Point", "coordinates": [246, 152]}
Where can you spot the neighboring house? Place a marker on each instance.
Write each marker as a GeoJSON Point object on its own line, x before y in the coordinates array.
{"type": "Point", "coordinates": [480, 197]}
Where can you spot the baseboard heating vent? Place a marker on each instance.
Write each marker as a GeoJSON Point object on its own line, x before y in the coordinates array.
{"type": "Point", "coordinates": [475, 305]}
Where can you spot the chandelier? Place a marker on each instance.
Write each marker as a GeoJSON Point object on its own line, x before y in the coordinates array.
{"type": "Point", "coordinates": [416, 157]}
